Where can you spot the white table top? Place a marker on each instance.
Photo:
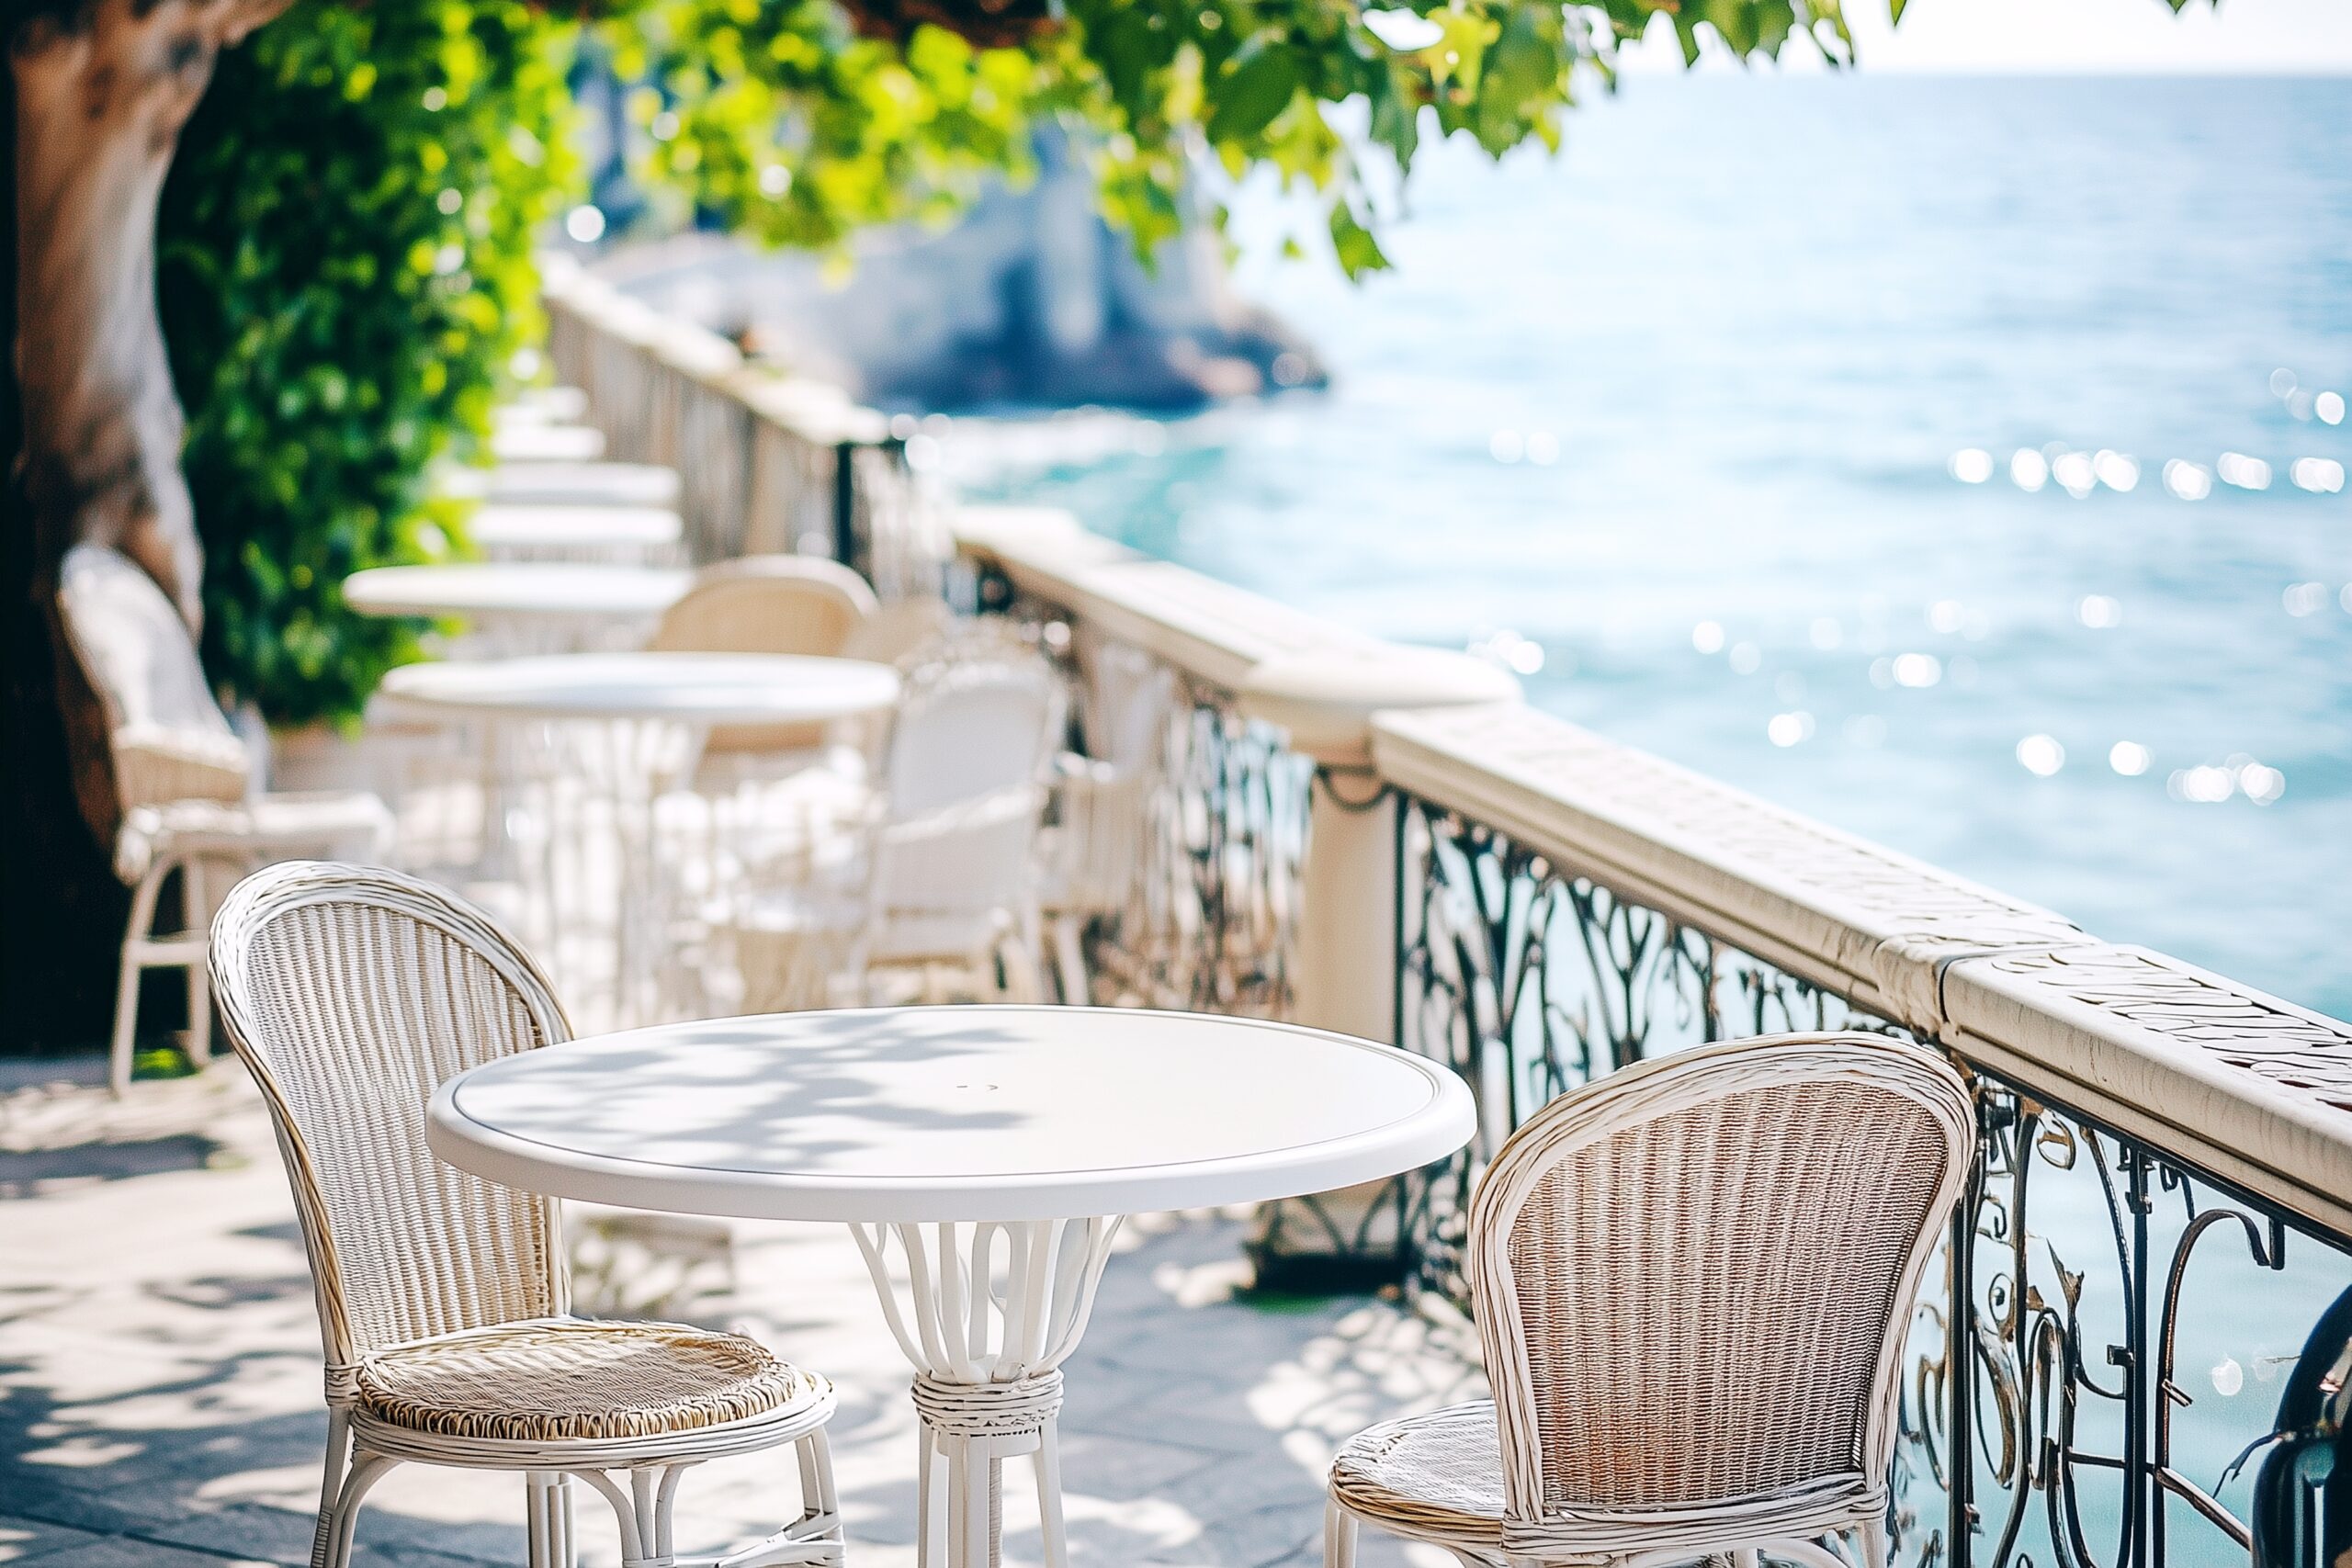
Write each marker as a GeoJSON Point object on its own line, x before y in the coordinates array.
{"type": "Point", "coordinates": [506, 523]}
{"type": "Point", "coordinates": [546, 443]}
{"type": "Point", "coordinates": [690, 688]}
{"type": "Point", "coordinates": [949, 1113]}
{"type": "Point", "coordinates": [614, 484]}
{"type": "Point", "coordinates": [482, 589]}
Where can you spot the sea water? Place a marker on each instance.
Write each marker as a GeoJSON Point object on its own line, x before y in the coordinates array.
{"type": "Point", "coordinates": [1957, 461]}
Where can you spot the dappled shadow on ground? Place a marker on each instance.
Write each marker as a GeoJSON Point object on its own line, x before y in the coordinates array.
{"type": "Point", "coordinates": [160, 1396]}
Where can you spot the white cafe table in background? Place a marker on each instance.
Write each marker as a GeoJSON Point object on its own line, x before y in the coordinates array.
{"type": "Point", "coordinates": [995, 1148]}
{"type": "Point", "coordinates": [600, 737]}
{"type": "Point", "coordinates": [623, 535]}
{"type": "Point", "coordinates": [517, 602]}
{"type": "Point", "coordinates": [564, 484]}
{"type": "Point", "coordinates": [546, 441]}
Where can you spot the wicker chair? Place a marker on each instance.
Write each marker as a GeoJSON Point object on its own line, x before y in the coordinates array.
{"type": "Point", "coordinates": [1693, 1282]}
{"type": "Point", "coordinates": [1097, 853]}
{"type": "Point", "coordinates": [185, 783]}
{"type": "Point", "coordinates": [766, 604]}
{"type": "Point", "coordinates": [941, 889]}
{"type": "Point", "coordinates": [443, 1299]}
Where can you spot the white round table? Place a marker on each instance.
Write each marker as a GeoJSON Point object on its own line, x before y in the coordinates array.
{"type": "Point", "coordinates": [698, 690]}
{"type": "Point", "coordinates": [601, 737]}
{"type": "Point", "coordinates": [553, 532]}
{"type": "Point", "coordinates": [535, 591]}
{"type": "Point", "coordinates": [578, 484]}
{"type": "Point", "coordinates": [995, 1146]}
{"type": "Point", "coordinates": [546, 442]}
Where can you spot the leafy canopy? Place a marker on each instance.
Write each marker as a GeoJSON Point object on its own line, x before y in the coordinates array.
{"type": "Point", "coordinates": [793, 129]}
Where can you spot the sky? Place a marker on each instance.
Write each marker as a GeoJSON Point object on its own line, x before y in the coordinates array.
{"type": "Point", "coordinates": [2280, 36]}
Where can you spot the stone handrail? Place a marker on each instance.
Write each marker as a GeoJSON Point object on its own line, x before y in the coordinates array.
{"type": "Point", "coordinates": [2250, 1088]}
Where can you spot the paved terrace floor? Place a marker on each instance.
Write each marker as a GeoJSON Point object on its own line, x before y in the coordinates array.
{"type": "Point", "coordinates": [159, 1370]}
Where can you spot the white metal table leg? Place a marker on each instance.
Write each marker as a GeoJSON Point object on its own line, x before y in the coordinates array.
{"type": "Point", "coordinates": [987, 1312]}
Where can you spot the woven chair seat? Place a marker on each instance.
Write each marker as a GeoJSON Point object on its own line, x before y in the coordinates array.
{"type": "Point", "coordinates": [554, 1380]}
{"type": "Point", "coordinates": [1435, 1475]}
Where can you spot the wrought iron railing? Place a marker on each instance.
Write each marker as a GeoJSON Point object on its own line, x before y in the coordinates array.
{"type": "Point", "coordinates": [2083, 1433]}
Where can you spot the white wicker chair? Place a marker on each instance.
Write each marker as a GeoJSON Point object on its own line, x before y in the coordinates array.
{"type": "Point", "coordinates": [185, 782]}
{"type": "Point", "coordinates": [443, 1299]}
{"type": "Point", "coordinates": [1097, 852]}
{"type": "Point", "coordinates": [943, 889]}
{"type": "Point", "coordinates": [1693, 1282]}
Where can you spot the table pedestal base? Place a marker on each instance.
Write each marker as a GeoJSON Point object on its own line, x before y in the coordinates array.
{"type": "Point", "coordinates": [987, 1312]}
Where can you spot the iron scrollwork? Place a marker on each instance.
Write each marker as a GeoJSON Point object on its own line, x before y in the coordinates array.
{"type": "Point", "coordinates": [2118, 1315]}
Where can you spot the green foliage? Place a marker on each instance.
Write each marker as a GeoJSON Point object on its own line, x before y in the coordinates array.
{"type": "Point", "coordinates": [793, 129]}
{"type": "Point", "coordinates": [344, 264]}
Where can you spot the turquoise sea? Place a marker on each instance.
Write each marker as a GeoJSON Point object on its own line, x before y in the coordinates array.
{"type": "Point", "coordinates": [1921, 454]}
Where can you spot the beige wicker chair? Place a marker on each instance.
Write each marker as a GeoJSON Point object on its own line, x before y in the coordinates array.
{"type": "Point", "coordinates": [766, 604]}
{"type": "Point", "coordinates": [1693, 1282]}
{"type": "Point", "coordinates": [443, 1299]}
{"type": "Point", "coordinates": [185, 783]}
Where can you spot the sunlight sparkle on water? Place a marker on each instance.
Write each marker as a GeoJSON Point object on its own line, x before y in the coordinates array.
{"type": "Point", "coordinates": [2099, 612]}
{"type": "Point", "coordinates": [2028, 469]}
{"type": "Point", "coordinates": [2118, 471]}
{"type": "Point", "coordinates": [2075, 472]}
{"type": "Point", "coordinates": [1788, 728]}
{"type": "Point", "coordinates": [1746, 659]}
{"type": "Point", "coordinates": [2129, 757]}
{"type": "Point", "coordinates": [2191, 481]}
{"type": "Point", "coordinates": [2304, 598]}
{"type": "Point", "coordinates": [2329, 406]}
{"type": "Point", "coordinates": [1916, 671]}
{"type": "Point", "coordinates": [1707, 637]}
{"type": "Point", "coordinates": [2321, 476]}
{"type": "Point", "coordinates": [1946, 616]}
{"type": "Point", "coordinates": [2042, 755]}
{"type": "Point", "coordinates": [1971, 465]}
{"type": "Point", "coordinates": [2244, 472]}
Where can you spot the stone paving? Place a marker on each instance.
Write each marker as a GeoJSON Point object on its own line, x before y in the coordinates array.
{"type": "Point", "coordinates": [159, 1369]}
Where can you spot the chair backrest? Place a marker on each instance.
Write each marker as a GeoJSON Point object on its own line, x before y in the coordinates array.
{"type": "Point", "coordinates": [801, 605]}
{"type": "Point", "coordinates": [1694, 1277]}
{"type": "Point", "coordinates": [964, 786]}
{"type": "Point", "coordinates": [167, 737]}
{"type": "Point", "coordinates": [970, 730]}
{"type": "Point", "coordinates": [353, 993]}
{"type": "Point", "coordinates": [1130, 700]}
{"type": "Point", "coordinates": [903, 632]}
{"type": "Point", "coordinates": [766, 604]}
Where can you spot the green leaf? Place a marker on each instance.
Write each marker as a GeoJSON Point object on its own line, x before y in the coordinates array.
{"type": "Point", "coordinates": [1253, 89]}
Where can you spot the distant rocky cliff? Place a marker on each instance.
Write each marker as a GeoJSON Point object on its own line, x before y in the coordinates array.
{"type": "Point", "coordinates": [1031, 299]}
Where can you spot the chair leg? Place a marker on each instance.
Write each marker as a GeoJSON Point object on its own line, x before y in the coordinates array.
{"type": "Point", "coordinates": [548, 1519]}
{"type": "Point", "coordinates": [1339, 1536]}
{"type": "Point", "coordinates": [332, 1548]}
{"type": "Point", "coordinates": [1069, 960]}
{"type": "Point", "coordinates": [195, 909]}
{"type": "Point", "coordinates": [136, 932]}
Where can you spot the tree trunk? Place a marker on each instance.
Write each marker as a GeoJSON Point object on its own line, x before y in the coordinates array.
{"type": "Point", "coordinates": [102, 88]}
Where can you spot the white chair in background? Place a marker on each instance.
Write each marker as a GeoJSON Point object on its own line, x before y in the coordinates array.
{"type": "Point", "coordinates": [444, 1300]}
{"type": "Point", "coordinates": [186, 784]}
{"type": "Point", "coordinates": [1096, 853]}
{"type": "Point", "coordinates": [1693, 1281]}
{"type": "Point", "coordinates": [940, 892]}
